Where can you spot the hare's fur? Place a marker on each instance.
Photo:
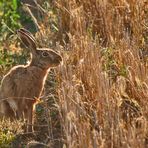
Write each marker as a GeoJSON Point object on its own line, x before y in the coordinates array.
{"type": "Point", "coordinates": [22, 85]}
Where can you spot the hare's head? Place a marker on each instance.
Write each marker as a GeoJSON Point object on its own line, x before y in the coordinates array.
{"type": "Point", "coordinates": [46, 58]}
{"type": "Point", "coordinates": [42, 57]}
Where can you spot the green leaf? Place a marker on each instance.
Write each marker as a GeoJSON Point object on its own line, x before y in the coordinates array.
{"type": "Point", "coordinates": [14, 4]}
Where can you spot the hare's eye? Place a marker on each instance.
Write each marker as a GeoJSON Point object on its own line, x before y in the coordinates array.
{"type": "Point", "coordinates": [44, 54]}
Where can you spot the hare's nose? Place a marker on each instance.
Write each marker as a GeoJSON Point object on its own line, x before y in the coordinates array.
{"type": "Point", "coordinates": [60, 59]}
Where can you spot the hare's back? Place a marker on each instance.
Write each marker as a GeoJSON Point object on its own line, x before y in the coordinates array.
{"type": "Point", "coordinates": [9, 84]}
{"type": "Point", "coordinates": [22, 81]}
{"type": "Point", "coordinates": [21, 74]}
{"type": "Point", "coordinates": [17, 71]}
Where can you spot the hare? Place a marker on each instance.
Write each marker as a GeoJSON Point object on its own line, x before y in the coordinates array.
{"type": "Point", "coordinates": [23, 84]}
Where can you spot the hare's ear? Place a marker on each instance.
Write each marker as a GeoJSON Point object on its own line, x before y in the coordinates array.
{"type": "Point", "coordinates": [27, 38]}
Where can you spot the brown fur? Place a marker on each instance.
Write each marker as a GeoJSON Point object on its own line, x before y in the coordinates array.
{"type": "Point", "coordinates": [24, 84]}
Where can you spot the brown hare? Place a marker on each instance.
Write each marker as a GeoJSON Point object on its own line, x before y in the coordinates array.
{"type": "Point", "coordinates": [23, 84]}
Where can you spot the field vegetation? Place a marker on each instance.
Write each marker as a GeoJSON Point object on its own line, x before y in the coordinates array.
{"type": "Point", "coordinates": [98, 98]}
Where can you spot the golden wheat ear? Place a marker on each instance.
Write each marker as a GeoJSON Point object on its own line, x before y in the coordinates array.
{"type": "Point", "coordinates": [27, 38]}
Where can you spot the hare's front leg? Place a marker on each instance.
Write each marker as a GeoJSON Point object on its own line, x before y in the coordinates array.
{"type": "Point", "coordinates": [29, 117]}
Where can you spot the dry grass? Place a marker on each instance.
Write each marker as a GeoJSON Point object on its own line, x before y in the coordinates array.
{"type": "Point", "coordinates": [102, 86]}
{"type": "Point", "coordinates": [104, 66]}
